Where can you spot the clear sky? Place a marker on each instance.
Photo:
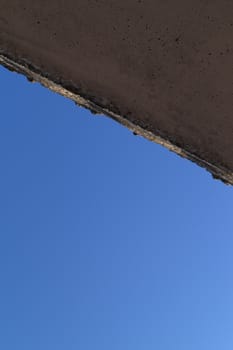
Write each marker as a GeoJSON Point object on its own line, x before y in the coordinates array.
{"type": "Point", "coordinates": [107, 241]}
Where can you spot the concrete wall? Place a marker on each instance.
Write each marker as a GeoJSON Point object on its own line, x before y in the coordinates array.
{"type": "Point", "coordinates": [164, 68]}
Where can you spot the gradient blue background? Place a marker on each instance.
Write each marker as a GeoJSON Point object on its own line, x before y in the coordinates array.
{"type": "Point", "coordinates": [107, 241]}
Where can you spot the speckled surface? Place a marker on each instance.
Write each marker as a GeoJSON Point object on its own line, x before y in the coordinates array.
{"type": "Point", "coordinates": [161, 67]}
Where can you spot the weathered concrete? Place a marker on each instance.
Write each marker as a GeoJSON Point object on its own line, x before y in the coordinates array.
{"type": "Point", "coordinates": [164, 68]}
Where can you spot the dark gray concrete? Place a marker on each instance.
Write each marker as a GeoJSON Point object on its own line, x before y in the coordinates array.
{"type": "Point", "coordinates": [164, 68]}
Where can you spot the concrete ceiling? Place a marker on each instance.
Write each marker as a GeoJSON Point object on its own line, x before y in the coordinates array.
{"type": "Point", "coordinates": [164, 68]}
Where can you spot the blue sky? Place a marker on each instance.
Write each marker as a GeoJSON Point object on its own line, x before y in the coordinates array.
{"type": "Point", "coordinates": [107, 241]}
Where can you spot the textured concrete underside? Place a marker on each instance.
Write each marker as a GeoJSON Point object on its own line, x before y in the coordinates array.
{"type": "Point", "coordinates": [164, 68]}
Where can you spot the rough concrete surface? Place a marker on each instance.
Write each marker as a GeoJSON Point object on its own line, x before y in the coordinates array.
{"type": "Point", "coordinates": [164, 68]}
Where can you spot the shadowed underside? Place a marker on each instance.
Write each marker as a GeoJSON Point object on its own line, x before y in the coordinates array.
{"type": "Point", "coordinates": [163, 68]}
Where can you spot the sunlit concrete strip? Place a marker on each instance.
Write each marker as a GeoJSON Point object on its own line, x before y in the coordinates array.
{"type": "Point", "coordinates": [162, 68]}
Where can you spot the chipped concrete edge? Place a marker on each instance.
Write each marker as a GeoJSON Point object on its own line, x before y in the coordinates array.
{"type": "Point", "coordinates": [68, 90]}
